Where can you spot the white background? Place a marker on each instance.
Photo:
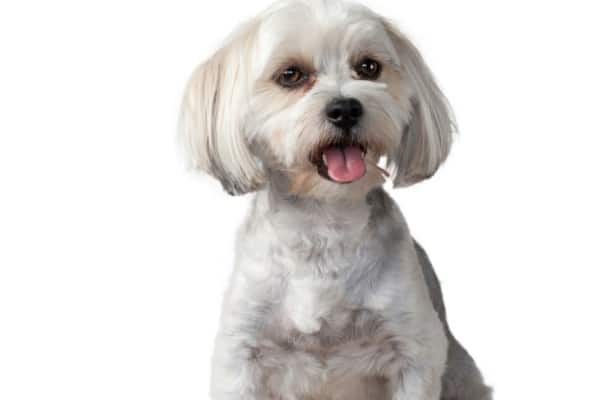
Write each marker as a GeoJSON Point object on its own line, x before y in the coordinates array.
{"type": "Point", "coordinates": [113, 258]}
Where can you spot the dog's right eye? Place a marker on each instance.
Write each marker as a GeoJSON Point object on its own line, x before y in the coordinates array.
{"type": "Point", "coordinates": [291, 77]}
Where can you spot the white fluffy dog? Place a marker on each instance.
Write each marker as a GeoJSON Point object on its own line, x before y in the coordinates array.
{"type": "Point", "coordinates": [308, 105]}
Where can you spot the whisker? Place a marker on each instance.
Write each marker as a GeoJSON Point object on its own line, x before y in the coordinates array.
{"type": "Point", "coordinates": [373, 164]}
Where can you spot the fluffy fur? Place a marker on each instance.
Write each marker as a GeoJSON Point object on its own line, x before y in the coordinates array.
{"type": "Point", "coordinates": [330, 298]}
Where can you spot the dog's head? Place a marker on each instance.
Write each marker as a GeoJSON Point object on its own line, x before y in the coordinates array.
{"type": "Point", "coordinates": [315, 94]}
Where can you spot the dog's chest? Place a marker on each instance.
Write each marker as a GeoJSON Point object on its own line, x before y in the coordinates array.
{"type": "Point", "coordinates": [330, 348]}
{"type": "Point", "coordinates": [328, 333]}
{"type": "Point", "coordinates": [325, 324]}
{"type": "Point", "coordinates": [326, 279]}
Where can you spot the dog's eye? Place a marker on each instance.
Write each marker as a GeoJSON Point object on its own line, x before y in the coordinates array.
{"type": "Point", "coordinates": [368, 68]}
{"type": "Point", "coordinates": [291, 77]}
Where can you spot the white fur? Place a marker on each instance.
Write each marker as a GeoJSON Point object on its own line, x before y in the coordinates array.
{"type": "Point", "coordinates": [327, 299]}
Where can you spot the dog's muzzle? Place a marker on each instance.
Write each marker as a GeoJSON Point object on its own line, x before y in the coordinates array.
{"type": "Point", "coordinates": [342, 159]}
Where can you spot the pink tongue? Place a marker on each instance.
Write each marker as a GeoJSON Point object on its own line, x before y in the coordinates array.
{"type": "Point", "coordinates": [344, 164]}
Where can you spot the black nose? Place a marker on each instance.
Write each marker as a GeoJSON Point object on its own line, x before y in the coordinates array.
{"type": "Point", "coordinates": [344, 113]}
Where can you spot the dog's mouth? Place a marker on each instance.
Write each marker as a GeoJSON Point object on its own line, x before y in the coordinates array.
{"type": "Point", "coordinates": [342, 161]}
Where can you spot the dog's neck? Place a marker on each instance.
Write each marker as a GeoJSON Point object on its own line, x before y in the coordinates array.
{"type": "Point", "coordinates": [343, 215]}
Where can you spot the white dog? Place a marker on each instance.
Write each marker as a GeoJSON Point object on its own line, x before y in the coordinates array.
{"type": "Point", "coordinates": [307, 105]}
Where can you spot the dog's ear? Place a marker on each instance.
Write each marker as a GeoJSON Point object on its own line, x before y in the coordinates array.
{"type": "Point", "coordinates": [427, 138]}
{"type": "Point", "coordinates": [212, 116]}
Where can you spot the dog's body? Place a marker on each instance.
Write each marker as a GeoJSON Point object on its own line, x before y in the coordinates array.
{"type": "Point", "coordinates": [335, 301]}
{"type": "Point", "coordinates": [330, 297]}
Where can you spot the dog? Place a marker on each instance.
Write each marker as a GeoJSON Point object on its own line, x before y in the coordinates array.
{"type": "Point", "coordinates": [312, 106]}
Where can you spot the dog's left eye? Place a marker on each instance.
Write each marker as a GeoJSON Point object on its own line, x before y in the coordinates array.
{"type": "Point", "coordinates": [367, 68]}
{"type": "Point", "coordinates": [291, 77]}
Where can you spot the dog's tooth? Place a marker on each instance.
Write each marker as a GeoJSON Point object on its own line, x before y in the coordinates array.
{"type": "Point", "coordinates": [324, 159]}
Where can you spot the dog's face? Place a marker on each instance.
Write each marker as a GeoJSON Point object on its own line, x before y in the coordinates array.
{"type": "Point", "coordinates": [311, 96]}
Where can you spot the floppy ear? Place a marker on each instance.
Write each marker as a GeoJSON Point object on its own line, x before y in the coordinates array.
{"type": "Point", "coordinates": [212, 114]}
{"type": "Point", "coordinates": [427, 138]}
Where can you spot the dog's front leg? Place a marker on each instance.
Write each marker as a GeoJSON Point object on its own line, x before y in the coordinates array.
{"type": "Point", "coordinates": [262, 370]}
{"type": "Point", "coordinates": [411, 369]}
{"type": "Point", "coordinates": [254, 360]}
{"type": "Point", "coordinates": [421, 377]}
{"type": "Point", "coordinates": [235, 373]}
{"type": "Point", "coordinates": [419, 384]}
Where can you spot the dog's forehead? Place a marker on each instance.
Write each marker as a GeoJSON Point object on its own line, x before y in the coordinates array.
{"type": "Point", "coordinates": [321, 30]}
